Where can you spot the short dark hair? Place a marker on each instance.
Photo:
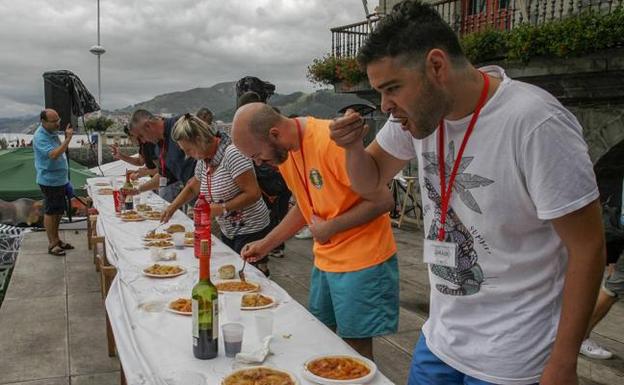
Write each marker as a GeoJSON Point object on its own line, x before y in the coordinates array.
{"type": "Point", "coordinates": [249, 97]}
{"type": "Point", "coordinates": [204, 111]}
{"type": "Point", "coordinates": [412, 29]}
{"type": "Point", "coordinates": [139, 116]}
{"type": "Point", "coordinates": [43, 115]}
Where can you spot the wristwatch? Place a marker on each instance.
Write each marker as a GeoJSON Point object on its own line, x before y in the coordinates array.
{"type": "Point", "coordinates": [225, 211]}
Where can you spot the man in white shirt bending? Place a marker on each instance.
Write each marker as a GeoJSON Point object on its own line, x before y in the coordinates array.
{"type": "Point", "coordinates": [513, 230]}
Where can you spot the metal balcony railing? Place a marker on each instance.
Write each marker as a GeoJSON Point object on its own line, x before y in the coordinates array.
{"type": "Point", "coordinates": [467, 16]}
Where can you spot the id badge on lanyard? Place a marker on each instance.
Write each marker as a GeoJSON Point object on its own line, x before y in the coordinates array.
{"type": "Point", "coordinates": [439, 252]}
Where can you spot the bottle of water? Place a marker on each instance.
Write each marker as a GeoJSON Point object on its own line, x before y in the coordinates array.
{"type": "Point", "coordinates": [201, 218]}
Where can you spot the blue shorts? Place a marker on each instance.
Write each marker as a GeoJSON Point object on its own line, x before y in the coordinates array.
{"type": "Point", "coordinates": [428, 369]}
{"type": "Point", "coordinates": [359, 304]}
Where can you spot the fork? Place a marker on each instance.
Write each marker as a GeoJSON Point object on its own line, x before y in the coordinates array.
{"type": "Point", "coordinates": [155, 228]}
{"type": "Point", "coordinates": [241, 272]}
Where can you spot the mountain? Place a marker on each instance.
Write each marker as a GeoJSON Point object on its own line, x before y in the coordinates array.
{"type": "Point", "coordinates": [21, 125]}
{"type": "Point", "coordinates": [221, 99]}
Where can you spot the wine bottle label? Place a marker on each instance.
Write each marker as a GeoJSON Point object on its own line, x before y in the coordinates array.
{"type": "Point", "coordinates": [195, 309]}
{"type": "Point", "coordinates": [215, 318]}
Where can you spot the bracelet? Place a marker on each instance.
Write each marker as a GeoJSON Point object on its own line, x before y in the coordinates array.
{"type": "Point", "coordinates": [225, 211]}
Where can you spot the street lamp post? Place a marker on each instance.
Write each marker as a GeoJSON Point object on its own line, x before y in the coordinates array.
{"type": "Point", "coordinates": [98, 51]}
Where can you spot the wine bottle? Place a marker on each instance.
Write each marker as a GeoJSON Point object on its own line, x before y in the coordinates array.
{"type": "Point", "coordinates": [205, 310]}
{"type": "Point", "coordinates": [126, 192]}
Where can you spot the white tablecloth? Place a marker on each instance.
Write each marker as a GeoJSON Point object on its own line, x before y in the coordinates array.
{"type": "Point", "coordinates": [155, 346]}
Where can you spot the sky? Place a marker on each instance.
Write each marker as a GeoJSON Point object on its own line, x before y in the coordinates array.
{"type": "Point", "coordinates": [160, 46]}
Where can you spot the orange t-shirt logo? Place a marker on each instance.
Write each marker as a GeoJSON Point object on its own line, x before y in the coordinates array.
{"type": "Point", "coordinates": [316, 178]}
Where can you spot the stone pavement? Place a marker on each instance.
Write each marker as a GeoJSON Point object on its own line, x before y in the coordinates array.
{"type": "Point", "coordinates": [52, 326]}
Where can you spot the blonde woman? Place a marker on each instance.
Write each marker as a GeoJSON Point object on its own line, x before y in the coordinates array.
{"type": "Point", "coordinates": [227, 179]}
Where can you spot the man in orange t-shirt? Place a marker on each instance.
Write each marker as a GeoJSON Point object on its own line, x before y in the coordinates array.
{"type": "Point", "coordinates": [354, 286]}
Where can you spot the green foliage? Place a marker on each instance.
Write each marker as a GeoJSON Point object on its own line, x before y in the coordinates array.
{"type": "Point", "coordinates": [485, 45]}
{"type": "Point", "coordinates": [4, 144]}
{"type": "Point", "coordinates": [332, 69]}
{"type": "Point", "coordinates": [87, 156]}
{"type": "Point", "coordinates": [573, 36]}
{"type": "Point", "coordinates": [99, 124]}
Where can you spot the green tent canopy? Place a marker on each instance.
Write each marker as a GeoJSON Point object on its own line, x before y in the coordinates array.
{"type": "Point", "coordinates": [18, 175]}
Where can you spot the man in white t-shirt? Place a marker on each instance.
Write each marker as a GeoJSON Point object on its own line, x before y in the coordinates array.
{"type": "Point", "coordinates": [513, 230]}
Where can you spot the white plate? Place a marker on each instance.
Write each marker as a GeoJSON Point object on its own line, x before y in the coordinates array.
{"type": "Point", "coordinates": [292, 376]}
{"type": "Point", "coordinates": [328, 381]}
{"type": "Point", "coordinates": [148, 239]}
{"type": "Point", "coordinates": [141, 219]}
{"type": "Point", "coordinates": [177, 311]}
{"type": "Point", "coordinates": [257, 289]}
{"type": "Point", "coordinates": [147, 244]}
{"type": "Point", "coordinates": [258, 307]}
{"type": "Point", "coordinates": [164, 276]}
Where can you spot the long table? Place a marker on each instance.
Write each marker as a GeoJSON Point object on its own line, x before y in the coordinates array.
{"type": "Point", "coordinates": [155, 345]}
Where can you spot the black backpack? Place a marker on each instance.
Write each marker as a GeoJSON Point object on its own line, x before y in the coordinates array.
{"type": "Point", "coordinates": [270, 180]}
{"type": "Point", "coordinates": [252, 83]}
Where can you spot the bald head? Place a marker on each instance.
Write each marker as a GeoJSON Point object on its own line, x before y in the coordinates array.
{"type": "Point", "coordinates": [50, 119]}
{"type": "Point", "coordinates": [48, 114]}
{"type": "Point", "coordinates": [256, 125]}
{"type": "Point", "coordinates": [256, 119]}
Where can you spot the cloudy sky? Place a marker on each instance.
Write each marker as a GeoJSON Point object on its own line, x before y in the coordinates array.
{"type": "Point", "coordinates": [159, 46]}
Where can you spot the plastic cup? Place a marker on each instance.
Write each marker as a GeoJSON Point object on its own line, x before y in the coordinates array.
{"type": "Point", "coordinates": [264, 324]}
{"type": "Point", "coordinates": [232, 338]}
{"type": "Point", "coordinates": [232, 306]}
{"type": "Point", "coordinates": [178, 240]}
{"type": "Point", "coordinates": [155, 253]}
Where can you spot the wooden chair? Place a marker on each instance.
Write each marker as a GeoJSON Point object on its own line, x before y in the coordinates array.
{"type": "Point", "coordinates": [99, 252]}
{"type": "Point", "coordinates": [107, 275]}
{"type": "Point", "coordinates": [411, 197]}
{"type": "Point", "coordinates": [91, 230]}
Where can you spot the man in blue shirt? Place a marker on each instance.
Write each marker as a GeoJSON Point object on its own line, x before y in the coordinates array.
{"type": "Point", "coordinates": [171, 160]}
{"type": "Point", "coordinates": [52, 169]}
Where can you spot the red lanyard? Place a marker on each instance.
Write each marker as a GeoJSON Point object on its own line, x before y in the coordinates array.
{"type": "Point", "coordinates": [304, 180]}
{"type": "Point", "coordinates": [163, 155]}
{"type": "Point", "coordinates": [209, 183]}
{"type": "Point", "coordinates": [446, 191]}
{"type": "Point", "coordinates": [209, 171]}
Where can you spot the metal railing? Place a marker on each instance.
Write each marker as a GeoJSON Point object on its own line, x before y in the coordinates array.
{"type": "Point", "coordinates": [347, 40]}
{"type": "Point", "coordinates": [467, 16]}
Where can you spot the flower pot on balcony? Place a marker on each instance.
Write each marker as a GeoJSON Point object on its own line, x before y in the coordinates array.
{"type": "Point", "coordinates": [345, 87]}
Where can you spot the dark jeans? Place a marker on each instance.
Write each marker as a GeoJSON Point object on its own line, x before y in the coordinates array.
{"type": "Point", "coordinates": [239, 241]}
{"type": "Point", "coordinates": [278, 207]}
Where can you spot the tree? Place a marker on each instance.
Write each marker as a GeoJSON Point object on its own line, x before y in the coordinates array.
{"type": "Point", "coordinates": [99, 124]}
{"type": "Point", "coordinates": [3, 144]}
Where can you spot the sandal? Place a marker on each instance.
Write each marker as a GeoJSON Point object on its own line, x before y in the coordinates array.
{"type": "Point", "coordinates": [65, 245]}
{"type": "Point", "coordinates": [56, 250]}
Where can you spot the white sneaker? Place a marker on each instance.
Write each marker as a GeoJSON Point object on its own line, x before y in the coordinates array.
{"type": "Point", "coordinates": [277, 253]}
{"type": "Point", "coordinates": [591, 349]}
{"type": "Point", "coordinates": [304, 233]}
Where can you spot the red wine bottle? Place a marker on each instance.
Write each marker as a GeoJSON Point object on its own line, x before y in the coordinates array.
{"type": "Point", "coordinates": [205, 309]}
